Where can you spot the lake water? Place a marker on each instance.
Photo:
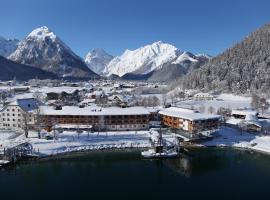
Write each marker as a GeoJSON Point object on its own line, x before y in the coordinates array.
{"type": "Point", "coordinates": [204, 174]}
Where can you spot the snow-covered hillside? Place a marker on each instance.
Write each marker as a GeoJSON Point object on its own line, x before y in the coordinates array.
{"type": "Point", "coordinates": [7, 46]}
{"type": "Point", "coordinates": [97, 60]}
{"type": "Point", "coordinates": [43, 49]}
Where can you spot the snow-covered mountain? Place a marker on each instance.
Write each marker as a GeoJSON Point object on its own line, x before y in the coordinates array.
{"type": "Point", "coordinates": [43, 49]}
{"type": "Point", "coordinates": [97, 60]}
{"type": "Point", "coordinates": [8, 46]}
{"type": "Point", "coordinates": [152, 61]}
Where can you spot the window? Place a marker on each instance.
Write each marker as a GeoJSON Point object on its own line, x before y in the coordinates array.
{"type": "Point", "coordinates": [3, 114]}
{"type": "Point", "coordinates": [8, 114]}
{"type": "Point", "coordinates": [13, 110]}
{"type": "Point", "coordinates": [8, 119]}
{"type": "Point", "coordinates": [4, 119]}
{"type": "Point", "coordinates": [13, 120]}
{"type": "Point", "coordinates": [13, 114]}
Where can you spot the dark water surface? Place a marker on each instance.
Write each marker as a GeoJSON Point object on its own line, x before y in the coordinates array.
{"type": "Point", "coordinates": [204, 174]}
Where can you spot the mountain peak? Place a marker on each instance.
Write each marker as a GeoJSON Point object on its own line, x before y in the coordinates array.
{"type": "Point", "coordinates": [97, 52]}
{"type": "Point", "coordinates": [7, 46]}
{"type": "Point", "coordinates": [42, 32]}
{"type": "Point", "coordinates": [97, 60]}
{"type": "Point", "coordinates": [158, 42]}
{"type": "Point", "coordinates": [43, 49]}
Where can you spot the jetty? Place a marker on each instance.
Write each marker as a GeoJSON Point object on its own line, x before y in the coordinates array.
{"type": "Point", "coordinates": [15, 153]}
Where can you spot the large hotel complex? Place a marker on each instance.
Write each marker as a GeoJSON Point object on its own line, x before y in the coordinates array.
{"type": "Point", "coordinates": [13, 116]}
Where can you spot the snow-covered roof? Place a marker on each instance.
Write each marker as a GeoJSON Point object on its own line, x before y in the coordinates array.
{"type": "Point", "coordinates": [94, 111]}
{"type": "Point", "coordinates": [26, 104]}
{"type": "Point", "coordinates": [58, 90]}
{"type": "Point", "coordinates": [244, 112]}
{"type": "Point", "coordinates": [234, 121]}
{"type": "Point", "coordinates": [187, 114]}
{"type": "Point", "coordinates": [203, 95]}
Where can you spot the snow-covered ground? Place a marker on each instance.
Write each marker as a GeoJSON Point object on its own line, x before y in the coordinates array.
{"type": "Point", "coordinates": [4, 135]}
{"type": "Point", "coordinates": [230, 137]}
{"type": "Point", "coordinates": [224, 100]}
{"type": "Point", "coordinates": [71, 141]}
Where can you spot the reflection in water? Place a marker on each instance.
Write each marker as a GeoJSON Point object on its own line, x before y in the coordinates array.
{"type": "Point", "coordinates": [202, 161]}
{"type": "Point", "coordinates": [126, 175]}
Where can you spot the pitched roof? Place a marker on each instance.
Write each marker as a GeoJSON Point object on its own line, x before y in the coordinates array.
{"type": "Point", "coordinates": [187, 114]}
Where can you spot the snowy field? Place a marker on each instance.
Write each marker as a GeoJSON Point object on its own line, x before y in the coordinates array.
{"type": "Point", "coordinates": [230, 137]}
{"type": "Point", "coordinates": [223, 100]}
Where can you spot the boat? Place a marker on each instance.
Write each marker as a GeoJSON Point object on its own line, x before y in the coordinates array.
{"type": "Point", "coordinates": [3, 162]}
{"type": "Point", "coordinates": [151, 153]}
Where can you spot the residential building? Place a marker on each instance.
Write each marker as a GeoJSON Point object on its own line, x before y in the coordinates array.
{"type": "Point", "coordinates": [15, 114]}
{"type": "Point", "coordinates": [111, 118]}
{"type": "Point", "coordinates": [245, 120]}
{"type": "Point", "coordinates": [189, 121]}
{"type": "Point", "coordinates": [203, 96]}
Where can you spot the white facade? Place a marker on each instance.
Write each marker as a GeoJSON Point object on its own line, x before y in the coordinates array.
{"type": "Point", "coordinates": [203, 96]}
{"type": "Point", "coordinates": [12, 116]}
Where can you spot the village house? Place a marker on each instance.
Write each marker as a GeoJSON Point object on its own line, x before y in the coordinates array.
{"type": "Point", "coordinates": [203, 96]}
{"type": "Point", "coordinates": [19, 113]}
{"type": "Point", "coordinates": [245, 119]}
{"type": "Point", "coordinates": [189, 121]}
{"type": "Point", "coordinates": [102, 119]}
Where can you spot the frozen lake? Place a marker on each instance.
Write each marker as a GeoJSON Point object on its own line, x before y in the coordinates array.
{"type": "Point", "coordinates": [204, 174]}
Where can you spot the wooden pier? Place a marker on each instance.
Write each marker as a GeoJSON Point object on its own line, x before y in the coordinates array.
{"type": "Point", "coordinates": [13, 154]}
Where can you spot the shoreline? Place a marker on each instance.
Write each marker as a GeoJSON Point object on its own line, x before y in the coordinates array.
{"type": "Point", "coordinates": [62, 155]}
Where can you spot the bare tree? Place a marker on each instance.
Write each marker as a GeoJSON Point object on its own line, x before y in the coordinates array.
{"type": "Point", "coordinates": [181, 95]}
{"type": "Point", "coordinates": [3, 98]}
{"type": "Point", "coordinates": [38, 121]}
{"type": "Point", "coordinates": [38, 96]}
{"type": "Point", "coordinates": [156, 101]}
{"type": "Point", "coordinates": [211, 109]}
{"type": "Point", "coordinates": [25, 123]}
{"type": "Point", "coordinates": [255, 101]}
{"type": "Point", "coordinates": [242, 126]}
{"type": "Point", "coordinates": [150, 101]}
{"type": "Point", "coordinates": [172, 97]}
{"type": "Point", "coordinates": [264, 105]}
{"type": "Point", "coordinates": [225, 112]}
{"type": "Point", "coordinates": [144, 102]}
{"type": "Point", "coordinates": [164, 99]}
{"type": "Point", "coordinates": [202, 109]}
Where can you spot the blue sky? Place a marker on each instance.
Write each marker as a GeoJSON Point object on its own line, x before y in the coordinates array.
{"type": "Point", "coordinates": [208, 26]}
